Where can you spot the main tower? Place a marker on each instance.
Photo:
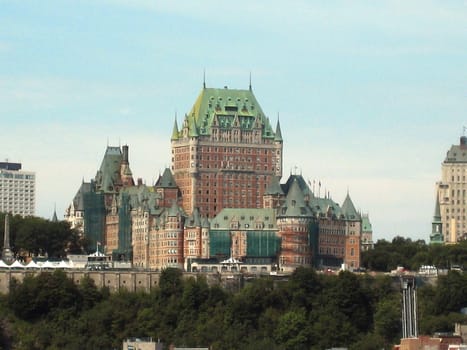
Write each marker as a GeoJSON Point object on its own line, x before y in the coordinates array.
{"type": "Point", "coordinates": [225, 153]}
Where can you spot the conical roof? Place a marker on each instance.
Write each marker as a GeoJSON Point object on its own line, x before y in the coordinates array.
{"type": "Point", "coordinates": [348, 209]}
{"type": "Point", "coordinates": [294, 204]}
{"type": "Point", "coordinates": [205, 223]}
{"type": "Point", "coordinates": [174, 210]}
{"type": "Point", "coordinates": [195, 219]}
{"type": "Point", "coordinates": [166, 180]}
{"type": "Point", "coordinates": [274, 187]}
{"type": "Point", "coordinates": [175, 131]}
{"type": "Point", "coordinates": [278, 136]}
{"type": "Point", "coordinates": [109, 172]}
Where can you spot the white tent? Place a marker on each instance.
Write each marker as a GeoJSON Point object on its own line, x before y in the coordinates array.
{"type": "Point", "coordinates": [63, 265]}
{"type": "Point", "coordinates": [48, 265]}
{"type": "Point", "coordinates": [3, 265]}
{"type": "Point", "coordinates": [96, 254]}
{"type": "Point", "coordinates": [32, 265]}
{"type": "Point", "coordinates": [231, 260]}
{"type": "Point", "coordinates": [17, 264]}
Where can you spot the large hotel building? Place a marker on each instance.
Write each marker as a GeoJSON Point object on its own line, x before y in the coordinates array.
{"type": "Point", "coordinates": [17, 190]}
{"type": "Point", "coordinates": [222, 200]}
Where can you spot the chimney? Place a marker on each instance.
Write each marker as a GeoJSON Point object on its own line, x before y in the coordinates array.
{"type": "Point", "coordinates": [125, 154]}
{"type": "Point", "coordinates": [140, 181]}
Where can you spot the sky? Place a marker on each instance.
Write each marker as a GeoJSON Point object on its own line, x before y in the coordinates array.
{"type": "Point", "coordinates": [370, 94]}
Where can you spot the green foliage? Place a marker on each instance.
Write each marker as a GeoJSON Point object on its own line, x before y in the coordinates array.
{"type": "Point", "coordinates": [387, 256]}
{"type": "Point", "coordinates": [309, 311]}
{"type": "Point", "coordinates": [48, 293]}
{"type": "Point", "coordinates": [451, 294]}
{"type": "Point", "coordinates": [33, 236]}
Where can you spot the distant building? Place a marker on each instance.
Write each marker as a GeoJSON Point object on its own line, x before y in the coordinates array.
{"type": "Point", "coordinates": [142, 344]}
{"type": "Point", "coordinates": [451, 193]}
{"type": "Point", "coordinates": [367, 233]}
{"type": "Point", "coordinates": [17, 190]}
{"type": "Point", "coordinates": [94, 199]}
{"type": "Point", "coordinates": [437, 342]}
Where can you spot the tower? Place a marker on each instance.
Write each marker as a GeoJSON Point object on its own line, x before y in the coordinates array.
{"type": "Point", "coordinates": [409, 307]}
{"type": "Point", "coordinates": [225, 153]}
{"type": "Point", "coordinates": [436, 226]}
{"type": "Point", "coordinates": [7, 254]}
{"type": "Point", "coordinates": [452, 192]}
{"type": "Point", "coordinates": [295, 218]}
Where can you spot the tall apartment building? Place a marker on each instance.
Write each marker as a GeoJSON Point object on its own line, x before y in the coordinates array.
{"type": "Point", "coordinates": [225, 153]}
{"type": "Point", "coordinates": [17, 190]}
{"type": "Point", "coordinates": [452, 193]}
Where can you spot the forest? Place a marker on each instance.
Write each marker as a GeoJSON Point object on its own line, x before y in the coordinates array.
{"type": "Point", "coordinates": [308, 311]}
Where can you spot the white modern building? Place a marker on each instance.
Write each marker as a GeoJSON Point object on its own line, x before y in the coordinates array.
{"type": "Point", "coordinates": [17, 190]}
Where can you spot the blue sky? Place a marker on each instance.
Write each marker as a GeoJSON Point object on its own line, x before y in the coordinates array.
{"type": "Point", "coordinates": [370, 94]}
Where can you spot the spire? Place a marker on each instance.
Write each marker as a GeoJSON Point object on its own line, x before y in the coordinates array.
{"type": "Point", "coordinates": [278, 137]}
{"type": "Point", "coordinates": [175, 130]}
{"type": "Point", "coordinates": [436, 225]}
{"type": "Point", "coordinates": [192, 127]}
{"type": "Point", "coordinates": [204, 78]}
{"type": "Point", "coordinates": [249, 86]}
{"type": "Point", "coordinates": [6, 237]}
{"type": "Point", "coordinates": [348, 209]}
{"type": "Point", "coordinates": [7, 254]}
{"type": "Point", "coordinates": [54, 217]}
{"type": "Point", "coordinates": [437, 215]}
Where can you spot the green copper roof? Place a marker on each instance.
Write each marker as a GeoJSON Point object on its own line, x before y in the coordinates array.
{"type": "Point", "coordinates": [348, 209]}
{"type": "Point", "coordinates": [175, 131]}
{"type": "Point", "coordinates": [194, 220]}
{"type": "Point", "coordinates": [78, 200]}
{"type": "Point", "coordinates": [205, 223]}
{"type": "Point", "coordinates": [247, 219]}
{"type": "Point", "coordinates": [294, 205]}
{"type": "Point", "coordinates": [109, 172]}
{"type": "Point", "coordinates": [175, 210]}
{"type": "Point", "coordinates": [322, 205]}
{"type": "Point", "coordinates": [278, 136]}
{"type": "Point", "coordinates": [166, 180]}
{"type": "Point", "coordinates": [226, 107]}
{"type": "Point", "coordinates": [366, 224]}
{"type": "Point", "coordinates": [193, 127]}
{"type": "Point", "coordinates": [141, 197]}
{"type": "Point", "coordinates": [274, 187]}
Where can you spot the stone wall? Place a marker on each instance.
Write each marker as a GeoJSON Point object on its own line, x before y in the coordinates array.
{"type": "Point", "coordinates": [115, 280]}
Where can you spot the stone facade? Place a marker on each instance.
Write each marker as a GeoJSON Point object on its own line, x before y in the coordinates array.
{"type": "Point", "coordinates": [451, 192]}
